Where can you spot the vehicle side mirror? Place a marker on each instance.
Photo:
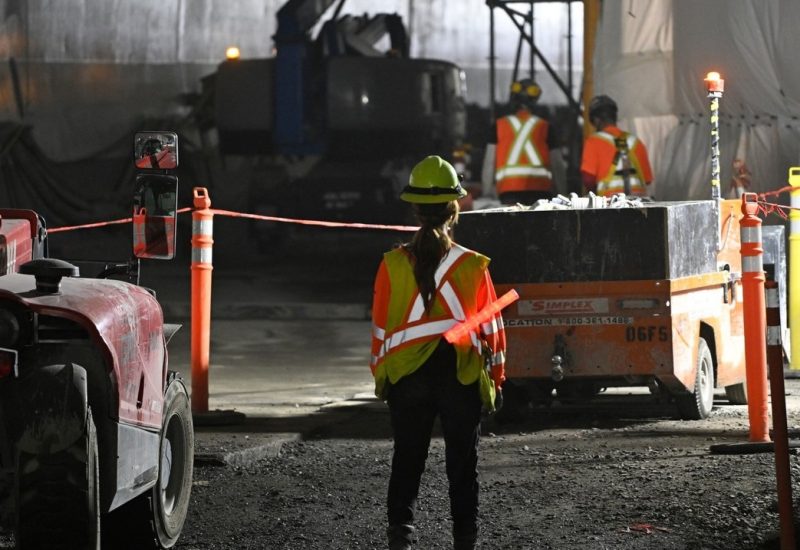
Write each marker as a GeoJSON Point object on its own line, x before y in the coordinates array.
{"type": "Point", "coordinates": [155, 209]}
{"type": "Point", "coordinates": [155, 150]}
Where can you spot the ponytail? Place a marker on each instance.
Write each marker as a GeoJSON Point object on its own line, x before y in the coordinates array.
{"type": "Point", "coordinates": [430, 243]}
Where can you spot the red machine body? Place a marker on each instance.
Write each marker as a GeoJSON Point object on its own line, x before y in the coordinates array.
{"type": "Point", "coordinates": [96, 434]}
{"type": "Point", "coordinates": [124, 321]}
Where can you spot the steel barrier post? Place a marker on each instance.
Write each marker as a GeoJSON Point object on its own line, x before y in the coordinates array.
{"type": "Point", "coordinates": [715, 86]}
{"type": "Point", "coordinates": [794, 268]}
{"type": "Point", "coordinates": [202, 243]}
{"type": "Point", "coordinates": [780, 431]}
{"type": "Point", "coordinates": [754, 319]}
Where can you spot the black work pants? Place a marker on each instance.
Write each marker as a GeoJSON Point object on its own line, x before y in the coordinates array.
{"type": "Point", "coordinates": [414, 403]}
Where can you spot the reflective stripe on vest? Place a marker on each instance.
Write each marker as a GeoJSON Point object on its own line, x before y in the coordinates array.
{"type": "Point", "coordinates": [421, 332]}
{"type": "Point", "coordinates": [521, 141]}
{"type": "Point", "coordinates": [512, 166]}
{"type": "Point", "coordinates": [417, 332]}
{"type": "Point", "coordinates": [523, 171]}
{"type": "Point", "coordinates": [403, 345]}
{"type": "Point", "coordinates": [448, 295]}
{"type": "Point", "coordinates": [453, 255]}
{"type": "Point", "coordinates": [613, 182]}
{"type": "Point", "coordinates": [448, 309]}
{"type": "Point", "coordinates": [379, 334]}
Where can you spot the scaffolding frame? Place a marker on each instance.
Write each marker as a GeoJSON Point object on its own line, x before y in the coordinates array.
{"type": "Point", "coordinates": [524, 23]}
{"type": "Point", "coordinates": [524, 20]}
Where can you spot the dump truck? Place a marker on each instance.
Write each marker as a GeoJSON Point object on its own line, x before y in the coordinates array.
{"type": "Point", "coordinates": [335, 120]}
{"type": "Point", "coordinates": [633, 293]}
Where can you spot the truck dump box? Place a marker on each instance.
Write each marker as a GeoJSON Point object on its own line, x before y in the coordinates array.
{"type": "Point", "coordinates": [630, 296]}
{"type": "Point", "coordinates": [664, 240]}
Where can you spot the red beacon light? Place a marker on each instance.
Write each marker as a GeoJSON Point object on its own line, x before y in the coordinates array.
{"type": "Point", "coordinates": [714, 83]}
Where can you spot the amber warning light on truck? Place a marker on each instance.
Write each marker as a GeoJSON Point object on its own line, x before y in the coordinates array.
{"type": "Point", "coordinates": [232, 53]}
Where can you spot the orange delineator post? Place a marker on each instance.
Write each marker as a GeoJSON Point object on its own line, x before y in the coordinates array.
{"type": "Point", "coordinates": [202, 243]}
{"type": "Point", "coordinates": [754, 319]}
{"type": "Point", "coordinates": [783, 472]}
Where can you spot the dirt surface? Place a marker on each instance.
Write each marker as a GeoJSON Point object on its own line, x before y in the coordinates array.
{"type": "Point", "coordinates": [618, 475]}
{"type": "Point", "coordinates": [309, 467]}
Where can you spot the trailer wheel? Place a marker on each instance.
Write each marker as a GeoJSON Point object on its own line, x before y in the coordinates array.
{"type": "Point", "coordinates": [737, 393]}
{"type": "Point", "coordinates": [155, 519]}
{"type": "Point", "coordinates": [698, 404]}
{"type": "Point", "coordinates": [58, 496]}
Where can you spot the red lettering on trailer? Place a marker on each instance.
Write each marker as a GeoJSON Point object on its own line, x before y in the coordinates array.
{"type": "Point", "coordinates": [563, 306]}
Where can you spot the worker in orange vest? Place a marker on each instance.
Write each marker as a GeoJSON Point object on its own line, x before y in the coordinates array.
{"type": "Point", "coordinates": [422, 289]}
{"type": "Point", "coordinates": [522, 156]}
{"type": "Point", "coordinates": [613, 161]}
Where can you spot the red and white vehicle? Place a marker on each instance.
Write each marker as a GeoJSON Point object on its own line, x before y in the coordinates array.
{"type": "Point", "coordinates": [96, 435]}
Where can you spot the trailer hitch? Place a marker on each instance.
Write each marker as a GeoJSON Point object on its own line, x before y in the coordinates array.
{"type": "Point", "coordinates": [559, 358]}
{"type": "Point", "coordinates": [557, 372]}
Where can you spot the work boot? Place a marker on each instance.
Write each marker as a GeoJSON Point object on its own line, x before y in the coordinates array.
{"type": "Point", "coordinates": [400, 537]}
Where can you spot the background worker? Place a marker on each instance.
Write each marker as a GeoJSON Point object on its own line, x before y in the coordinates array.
{"type": "Point", "coordinates": [522, 152]}
{"type": "Point", "coordinates": [741, 179]}
{"type": "Point", "coordinates": [613, 161]}
{"type": "Point", "coordinates": [423, 288]}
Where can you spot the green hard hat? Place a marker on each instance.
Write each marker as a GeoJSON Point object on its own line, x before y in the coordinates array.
{"type": "Point", "coordinates": [433, 180]}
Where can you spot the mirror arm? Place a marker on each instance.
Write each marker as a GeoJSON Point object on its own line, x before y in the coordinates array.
{"type": "Point", "coordinates": [133, 270]}
{"type": "Point", "coordinates": [130, 269]}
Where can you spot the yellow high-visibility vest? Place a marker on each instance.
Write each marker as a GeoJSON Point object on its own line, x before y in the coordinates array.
{"type": "Point", "coordinates": [410, 336]}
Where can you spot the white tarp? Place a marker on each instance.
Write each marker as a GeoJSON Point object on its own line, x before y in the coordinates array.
{"type": "Point", "coordinates": [90, 71]}
{"type": "Point", "coordinates": [652, 56]}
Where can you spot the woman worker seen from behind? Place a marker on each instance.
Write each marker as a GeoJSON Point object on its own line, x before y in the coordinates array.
{"type": "Point", "coordinates": [422, 289]}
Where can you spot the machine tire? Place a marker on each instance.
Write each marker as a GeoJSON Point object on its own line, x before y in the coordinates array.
{"type": "Point", "coordinates": [58, 496]}
{"type": "Point", "coordinates": [154, 520]}
{"type": "Point", "coordinates": [737, 393]}
{"type": "Point", "coordinates": [698, 404]}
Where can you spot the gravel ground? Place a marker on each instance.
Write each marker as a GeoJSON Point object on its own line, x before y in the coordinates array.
{"type": "Point", "coordinates": [568, 478]}
{"type": "Point", "coordinates": [617, 475]}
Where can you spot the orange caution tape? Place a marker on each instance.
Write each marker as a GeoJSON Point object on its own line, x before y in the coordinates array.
{"type": "Point", "coordinates": [765, 208]}
{"type": "Point", "coordinates": [321, 223]}
{"type": "Point", "coordinates": [99, 224]}
{"type": "Point", "coordinates": [314, 222]}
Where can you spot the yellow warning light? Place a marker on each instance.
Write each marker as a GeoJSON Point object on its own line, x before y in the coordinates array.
{"type": "Point", "coordinates": [714, 83]}
{"type": "Point", "coordinates": [232, 53]}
